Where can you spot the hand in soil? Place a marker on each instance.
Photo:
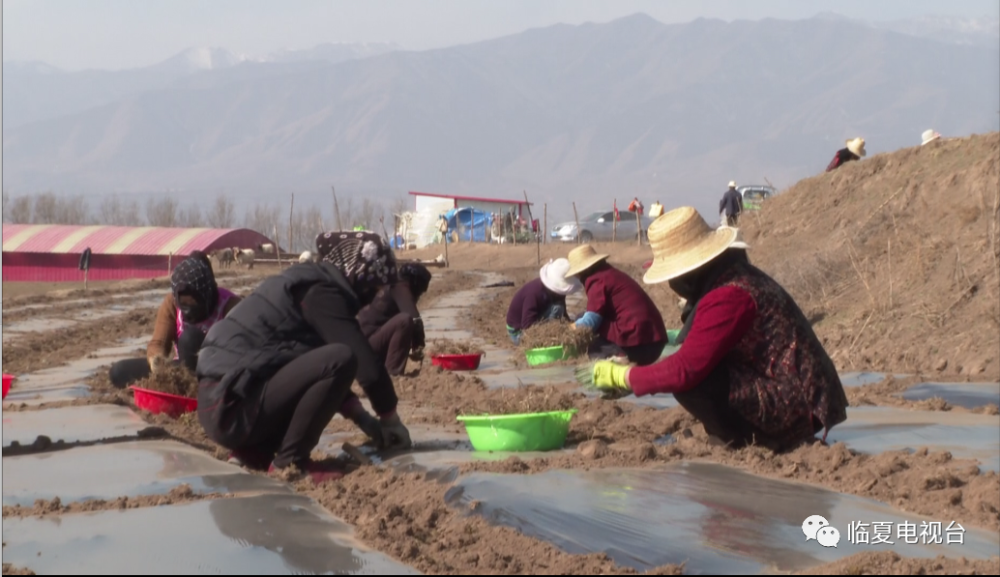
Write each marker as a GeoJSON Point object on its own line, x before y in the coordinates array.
{"type": "Point", "coordinates": [173, 379]}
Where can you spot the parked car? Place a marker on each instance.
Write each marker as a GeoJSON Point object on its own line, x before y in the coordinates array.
{"type": "Point", "coordinates": [600, 226]}
{"type": "Point", "coordinates": [755, 194]}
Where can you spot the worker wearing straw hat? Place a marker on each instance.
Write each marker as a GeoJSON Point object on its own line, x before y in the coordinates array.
{"type": "Point", "coordinates": [541, 299]}
{"type": "Point", "coordinates": [855, 150]}
{"type": "Point", "coordinates": [624, 318]}
{"type": "Point", "coordinates": [751, 369]}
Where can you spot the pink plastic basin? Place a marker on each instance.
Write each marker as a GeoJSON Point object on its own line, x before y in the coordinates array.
{"type": "Point", "coordinates": [457, 362]}
{"type": "Point", "coordinates": [167, 404]}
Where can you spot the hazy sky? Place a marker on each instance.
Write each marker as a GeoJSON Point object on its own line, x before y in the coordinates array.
{"type": "Point", "coordinates": [78, 34]}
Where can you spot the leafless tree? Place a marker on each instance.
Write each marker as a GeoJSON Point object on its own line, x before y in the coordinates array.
{"type": "Point", "coordinates": [399, 206]}
{"type": "Point", "coordinates": [162, 212]}
{"type": "Point", "coordinates": [264, 218]}
{"type": "Point", "coordinates": [20, 209]}
{"type": "Point", "coordinates": [369, 213]}
{"type": "Point", "coordinates": [308, 224]}
{"type": "Point", "coordinates": [6, 204]}
{"type": "Point", "coordinates": [50, 208]}
{"type": "Point", "coordinates": [222, 213]}
{"type": "Point", "coordinates": [191, 217]}
{"type": "Point", "coordinates": [114, 211]}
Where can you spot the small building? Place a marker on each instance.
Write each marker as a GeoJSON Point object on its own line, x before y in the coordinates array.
{"type": "Point", "coordinates": [51, 253]}
{"type": "Point", "coordinates": [427, 200]}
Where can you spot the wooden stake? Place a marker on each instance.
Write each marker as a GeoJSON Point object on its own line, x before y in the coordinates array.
{"type": "Point", "coordinates": [381, 221]}
{"type": "Point", "coordinates": [170, 263]}
{"type": "Point", "coordinates": [545, 231]}
{"type": "Point", "coordinates": [275, 236]}
{"type": "Point", "coordinates": [444, 238]}
{"type": "Point", "coordinates": [277, 249]}
{"type": "Point", "coordinates": [513, 225]}
{"type": "Point", "coordinates": [336, 209]}
{"type": "Point", "coordinates": [531, 219]}
{"type": "Point", "coordinates": [614, 222]}
{"type": "Point", "coordinates": [638, 227]}
{"type": "Point", "coordinates": [86, 273]}
{"type": "Point", "coordinates": [576, 217]}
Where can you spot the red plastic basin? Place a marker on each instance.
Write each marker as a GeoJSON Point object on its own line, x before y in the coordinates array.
{"type": "Point", "coordinates": [167, 404]}
{"type": "Point", "coordinates": [7, 380]}
{"type": "Point", "coordinates": [457, 362]}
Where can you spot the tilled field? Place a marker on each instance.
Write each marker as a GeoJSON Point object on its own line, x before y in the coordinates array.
{"type": "Point", "coordinates": [408, 507]}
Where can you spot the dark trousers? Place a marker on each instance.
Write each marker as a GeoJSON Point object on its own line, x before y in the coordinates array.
{"type": "Point", "coordinates": [642, 355]}
{"type": "Point", "coordinates": [128, 371]}
{"type": "Point", "coordinates": [299, 402]}
{"type": "Point", "coordinates": [732, 220]}
{"type": "Point", "coordinates": [392, 343]}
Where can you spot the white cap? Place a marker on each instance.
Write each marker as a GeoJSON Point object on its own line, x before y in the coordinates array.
{"type": "Point", "coordinates": [732, 184]}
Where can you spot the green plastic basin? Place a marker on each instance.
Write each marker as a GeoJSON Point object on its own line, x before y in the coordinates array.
{"type": "Point", "coordinates": [549, 355]}
{"type": "Point", "coordinates": [672, 335]}
{"type": "Point", "coordinates": [526, 432]}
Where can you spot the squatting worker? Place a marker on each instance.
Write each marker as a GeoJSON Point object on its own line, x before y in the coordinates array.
{"type": "Point", "coordinates": [619, 311]}
{"type": "Point", "coordinates": [541, 299]}
{"type": "Point", "coordinates": [275, 371]}
{"type": "Point", "coordinates": [855, 150]}
{"type": "Point", "coordinates": [731, 205]}
{"type": "Point", "coordinates": [392, 324]}
{"type": "Point", "coordinates": [751, 368]}
{"type": "Point", "coordinates": [195, 303]}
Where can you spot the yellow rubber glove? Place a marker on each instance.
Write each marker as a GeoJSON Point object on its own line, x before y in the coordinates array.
{"type": "Point", "coordinates": [609, 376]}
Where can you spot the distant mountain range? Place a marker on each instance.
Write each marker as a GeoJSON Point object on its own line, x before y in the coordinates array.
{"type": "Point", "coordinates": [588, 113]}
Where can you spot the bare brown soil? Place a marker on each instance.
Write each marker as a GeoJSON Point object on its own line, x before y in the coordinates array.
{"type": "Point", "coordinates": [406, 516]}
{"type": "Point", "coordinates": [890, 563]}
{"type": "Point", "coordinates": [55, 507]}
{"type": "Point", "coordinates": [36, 351]}
{"type": "Point", "coordinates": [896, 257]}
{"type": "Point", "coordinates": [617, 434]}
{"type": "Point", "coordinates": [9, 569]}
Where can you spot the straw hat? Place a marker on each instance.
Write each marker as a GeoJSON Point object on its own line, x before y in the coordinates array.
{"type": "Point", "coordinates": [732, 184]}
{"type": "Point", "coordinates": [857, 146]}
{"type": "Point", "coordinates": [682, 241]}
{"type": "Point", "coordinates": [582, 258]}
{"type": "Point", "coordinates": [929, 136]}
{"type": "Point", "coordinates": [553, 275]}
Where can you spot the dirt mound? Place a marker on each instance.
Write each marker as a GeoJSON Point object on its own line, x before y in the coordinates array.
{"type": "Point", "coordinates": [55, 507]}
{"type": "Point", "coordinates": [890, 563]}
{"type": "Point", "coordinates": [172, 379]}
{"type": "Point", "coordinates": [36, 351]}
{"type": "Point", "coordinates": [555, 334]}
{"type": "Point", "coordinates": [896, 259]}
{"type": "Point", "coordinates": [407, 516]}
{"type": "Point", "coordinates": [450, 347]}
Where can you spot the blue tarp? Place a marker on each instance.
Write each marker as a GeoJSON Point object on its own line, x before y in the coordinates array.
{"type": "Point", "coordinates": [469, 223]}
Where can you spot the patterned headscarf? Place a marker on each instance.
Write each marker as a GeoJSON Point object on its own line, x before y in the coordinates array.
{"type": "Point", "coordinates": [194, 276]}
{"type": "Point", "coordinates": [362, 256]}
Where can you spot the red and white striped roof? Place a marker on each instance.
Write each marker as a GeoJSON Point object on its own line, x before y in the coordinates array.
{"type": "Point", "coordinates": [147, 240]}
